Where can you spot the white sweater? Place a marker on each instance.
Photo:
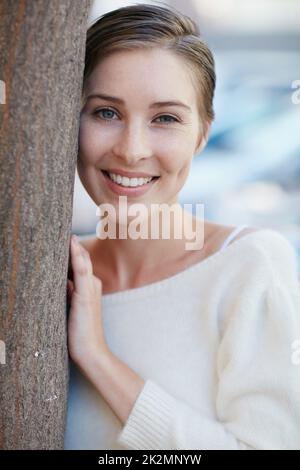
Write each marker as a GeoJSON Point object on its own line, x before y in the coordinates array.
{"type": "Point", "coordinates": [214, 344]}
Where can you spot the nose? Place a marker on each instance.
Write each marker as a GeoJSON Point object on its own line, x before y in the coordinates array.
{"type": "Point", "coordinates": [132, 145]}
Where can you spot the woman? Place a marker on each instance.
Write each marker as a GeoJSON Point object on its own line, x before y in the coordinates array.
{"type": "Point", "coordinates": [171, 348]}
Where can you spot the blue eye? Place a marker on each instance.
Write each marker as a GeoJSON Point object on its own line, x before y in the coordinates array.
{"type": "Point", "coordinates": [167, 115]}
{"type": "Point", "coordinates": [105, 110]}
{"type": "Point", "coordinates": [107, 119]}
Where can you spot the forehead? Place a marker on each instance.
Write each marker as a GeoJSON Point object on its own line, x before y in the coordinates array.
{"type": "Point", "coordinates": [143, 73]}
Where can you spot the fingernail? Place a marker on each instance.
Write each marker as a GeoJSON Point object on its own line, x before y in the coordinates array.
{"type": "Point", "coordinates": [75, 238]}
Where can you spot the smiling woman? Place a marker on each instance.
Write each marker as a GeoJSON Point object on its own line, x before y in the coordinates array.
{"type": "Point", "coordinates": [171, 349]}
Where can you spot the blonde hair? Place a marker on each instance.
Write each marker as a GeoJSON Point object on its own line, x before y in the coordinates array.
{"type": "Point", "coordinates": [146, 26]}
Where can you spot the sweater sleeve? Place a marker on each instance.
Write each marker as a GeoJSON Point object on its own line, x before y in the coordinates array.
{"type": "Point", "coordinates": [257, 403]}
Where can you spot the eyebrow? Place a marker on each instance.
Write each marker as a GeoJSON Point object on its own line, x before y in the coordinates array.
{"type": "Point", "coordinates": [158, 104]}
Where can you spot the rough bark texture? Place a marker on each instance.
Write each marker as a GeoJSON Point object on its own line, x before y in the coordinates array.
{"type": "Point", "coordinates": [42, 48]}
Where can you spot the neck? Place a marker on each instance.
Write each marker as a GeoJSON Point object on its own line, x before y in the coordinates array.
{"type": "Point", "coordinates": [127, 259]}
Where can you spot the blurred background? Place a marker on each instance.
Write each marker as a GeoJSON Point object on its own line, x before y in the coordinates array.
{"type": "Point", "coordinates": [249, 172]}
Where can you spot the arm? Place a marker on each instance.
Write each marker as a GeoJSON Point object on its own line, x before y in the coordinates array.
{"type": "Point", "coordinates": [87, 345]}
{"type": "Point", "coordinates": [118, 384]}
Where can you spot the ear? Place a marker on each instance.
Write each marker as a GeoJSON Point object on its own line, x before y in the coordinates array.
{"type": "Point", "coordinates": [203, 138]}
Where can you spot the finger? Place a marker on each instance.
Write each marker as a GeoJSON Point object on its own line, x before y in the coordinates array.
{"type": "Point", "coordinates": [86, 257]}
{"type": "Point", "coordinates": [95, 282]}
{"type": "Point", "coordinates": [87, 260]}
{"type": "Point", "coordinates": [80, 268]}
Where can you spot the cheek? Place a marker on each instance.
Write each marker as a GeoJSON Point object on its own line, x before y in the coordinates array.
{"type": "Point", "coordinates": [175, 159]}
{"type": "Point", "coordinates": [175, 148]}
{"type": "Point", "coordinates": [91, 145]}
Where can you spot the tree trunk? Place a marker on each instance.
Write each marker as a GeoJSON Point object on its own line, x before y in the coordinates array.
{"type": "Point", "coordinates": [42, 46]}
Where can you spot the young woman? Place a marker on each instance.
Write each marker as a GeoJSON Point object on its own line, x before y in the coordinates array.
{"type": "Point", "coordinates": [171, 348]}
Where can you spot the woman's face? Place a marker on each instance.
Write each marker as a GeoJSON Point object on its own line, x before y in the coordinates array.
{"type": "Point", "coordinates": [131, 133]}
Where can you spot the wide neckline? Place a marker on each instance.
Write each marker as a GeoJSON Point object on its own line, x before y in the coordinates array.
{"type": "Point", "coordinates": [154, 287]}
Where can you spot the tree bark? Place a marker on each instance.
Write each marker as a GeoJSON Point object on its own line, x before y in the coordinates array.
{"type": "Point", "coordinates": [42, 47]}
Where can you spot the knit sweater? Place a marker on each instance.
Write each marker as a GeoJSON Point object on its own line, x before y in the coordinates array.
{"type": "Point", "coordinates": [214, 344]}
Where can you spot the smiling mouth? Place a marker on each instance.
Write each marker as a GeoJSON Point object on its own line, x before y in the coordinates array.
{"type": "Point", "coordinates": [106, 174]}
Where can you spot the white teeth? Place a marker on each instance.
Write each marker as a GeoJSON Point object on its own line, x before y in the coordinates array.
{"type": "Point", "coordinates": [132, 182]}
